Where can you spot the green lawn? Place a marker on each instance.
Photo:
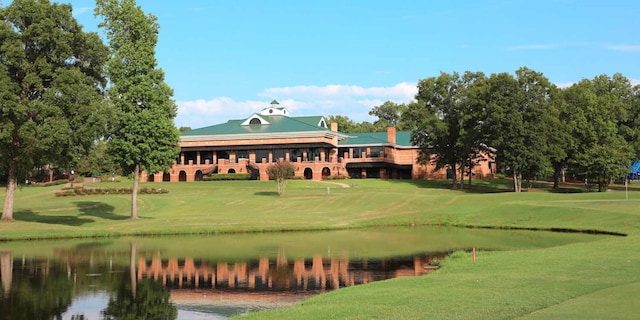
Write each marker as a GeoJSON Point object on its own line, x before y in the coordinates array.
{"type": "Point", "coordinates": [597, 279]}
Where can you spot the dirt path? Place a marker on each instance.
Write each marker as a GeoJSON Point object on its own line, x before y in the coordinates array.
{"type": "Point", "coordinates": [344, 185]}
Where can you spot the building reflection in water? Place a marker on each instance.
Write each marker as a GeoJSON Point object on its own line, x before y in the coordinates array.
{"type": "Point", "coordinates": [137, 277]}
{"type": "Point", "coordinates": [280, 274]}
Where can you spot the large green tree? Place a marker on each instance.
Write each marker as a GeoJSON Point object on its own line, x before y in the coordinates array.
{"type": "Point", "coordinates": [446, 121]}
{"type": "Point", "coordinates": [601, 110]}
{"type": "Point", "coordinates": [517, 115]}
{"type": "Point", "coordinates": [51, 85]}
{"type": "Point", "coordinates": [144, 136]}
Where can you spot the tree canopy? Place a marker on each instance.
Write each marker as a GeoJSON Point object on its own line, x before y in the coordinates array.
{"type": "Point", "coordinates": [143, 137]}
{"type": "Point", "coordinates": [589, 131]}
{"type": "Point", "coordinates": [51, 87]}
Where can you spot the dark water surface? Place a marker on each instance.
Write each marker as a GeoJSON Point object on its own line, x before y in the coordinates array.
{"type": "Point", "coordinates": [218, 276]}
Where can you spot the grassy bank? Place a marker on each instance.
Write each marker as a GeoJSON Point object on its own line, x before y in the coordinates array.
{"type": "Point", "coordinates": [577, 280]}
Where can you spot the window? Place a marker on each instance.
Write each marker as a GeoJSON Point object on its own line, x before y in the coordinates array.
{"type": "Point", "coordinates": [223, 155]}
{"type": "Point", "coordinates": [206, 155]}
{"type": "Point", "coordinates": [242, 154]}
{"type": "Point", "coordinates": [342, 151]}
{"type": "Point", "coordinates": [312, 153]}
{"type": "Point", "coordinates": [358, 151]}
{"type": "Point", "coordinates": [255, 121]}
{"type": "Point", "coordinates": [262, 154]}
{"type": "Point", "coordinates": [294, 154]}
{"type": "Point", "coordinates": [375, 152]}
{"type": "Point", "coordinates": [278, 154]}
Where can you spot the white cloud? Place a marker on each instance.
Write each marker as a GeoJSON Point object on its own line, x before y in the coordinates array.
{"type": "Point", "coordinates": [354, 102]}
{"type": "Point", "coordinates": [401, 90]}
{"type": "Point", "coordinates": [531, 47]}
{"type": "Point", "coordinates": [624, 47]}
{"type": "Point", "coordinates": [79, 11]}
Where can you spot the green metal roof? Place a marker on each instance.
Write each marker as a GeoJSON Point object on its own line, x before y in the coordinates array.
{"type": "Point", "coordinates": [403, 138]}
{"type": "Point", "coordinates": [277, 123]}
{"type": "Point", "coordinates": [281, 124]}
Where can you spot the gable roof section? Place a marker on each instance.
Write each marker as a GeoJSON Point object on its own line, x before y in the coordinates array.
{"type": "Point", "coordinates": [403, 139]}
{"type": "Point", "coordinates": [272, 126]}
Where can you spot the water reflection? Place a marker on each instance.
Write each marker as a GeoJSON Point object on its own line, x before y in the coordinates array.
{"type": "Point", "coordinates": [217, 277]}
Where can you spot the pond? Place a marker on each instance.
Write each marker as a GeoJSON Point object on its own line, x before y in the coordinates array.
{"type": "Point", "coordinates": [218, 276]}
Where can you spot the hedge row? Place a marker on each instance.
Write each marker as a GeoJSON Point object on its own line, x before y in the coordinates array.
{"type": "Point", "coordinates": [227, 176]}
{"type": "Point", "coordinates": [68, 192]}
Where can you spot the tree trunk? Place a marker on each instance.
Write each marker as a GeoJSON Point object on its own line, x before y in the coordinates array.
{"type": "Point", "coordinates": [556, 179]}
{"type": "Point", "coordinates": [132, 270]}
{"type": "Point", "coordinates": [455, 176]}
{"type": "Point", "coordinates": [6, 272]}
{"type": "Point", "coordinates": [134, 192]}
{"type": "Point", "coordinates": [12, 182]}
{"type": "Point", "coordinates": [461, 176]}
{"type": "Point", "coordinates": [517, 187]}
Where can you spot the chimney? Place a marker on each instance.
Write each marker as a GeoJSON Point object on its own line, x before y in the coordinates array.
{"type": "Point", "coordinates": [334, 126]}
{"type": "Point", "coordinates": [391, 134]}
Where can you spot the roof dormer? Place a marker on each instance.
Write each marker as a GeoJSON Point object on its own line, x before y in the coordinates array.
{"type": "Point", "coordinates": [255, 119]}
{"type": "Point", "coordinates": [274, 109]}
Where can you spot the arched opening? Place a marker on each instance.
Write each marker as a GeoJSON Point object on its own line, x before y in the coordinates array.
{"type": "Point", "coordinates": [326, 172]}
{"type": "Point", "coordinates": [232, 170]}
{"type": "Point", "coordinates": [166, 177]}
{"type": "Point", "coordinates": [308, 173]}
{"type": "Point", "coordinates": [182, 176]}
{"type": "Point", "coordinates": [198, 176]}
{"type": "Point", "coordinates": [151, 178]}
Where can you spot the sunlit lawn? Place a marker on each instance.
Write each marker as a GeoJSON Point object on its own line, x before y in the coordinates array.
{"type": "Point", "coordinates": [560, 282]}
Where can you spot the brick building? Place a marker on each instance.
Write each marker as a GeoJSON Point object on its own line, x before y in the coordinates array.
{"type": "Point", "coordinates": [317, 151]}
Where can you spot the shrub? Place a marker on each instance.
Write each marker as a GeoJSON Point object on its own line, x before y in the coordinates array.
{"type": "Point", "coordinates": [281, 171]}
{"type": "Point", "coordinates": [68, 192]}
{"type": "Point", "coordinates": [227, 176]}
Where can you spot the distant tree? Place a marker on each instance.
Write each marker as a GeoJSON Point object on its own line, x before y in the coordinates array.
{"type": "Point", "coordinates": [183, 129]}
{"type": "Point", "coordinates": [51, 87]}
{"type": "Point", "coordinates": [98, 160]}
{"type": "Point", "coordinates": [281, 172]}
{"type": "Point", "coordinates": [345, 125]}
{"type": "Point", "coordinates": [143, 136]}
{"type": "Point", "coordinates": [389, 115]}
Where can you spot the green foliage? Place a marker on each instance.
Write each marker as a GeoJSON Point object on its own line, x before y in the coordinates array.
{"type": "Point", "coordinates": [389, 115]}
{"type": "Point", "coordinates": [346, 125]}
{"type": "Point", "coordinates": [148, 300]}
{"type": "Point", "coordinates": [66, 192]}
{"type": "Point", "coordinates": [601, 124]}
{"type": "Point", "coordinates": [448, 121]}
{"type": "Point", "coordinates": [51, 86]}
{"type": "Point", "coordinates": [227, 176]}
{"type": "Point", "coordinates": [143, 135]}
{"type": "Point", "coordinates": [281, 171]}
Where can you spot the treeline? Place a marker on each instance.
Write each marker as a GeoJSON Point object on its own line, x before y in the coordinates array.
{"type": "Point", "coordinates": [589, 131]}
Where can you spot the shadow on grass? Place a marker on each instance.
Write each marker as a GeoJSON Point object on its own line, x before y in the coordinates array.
{"type": "Point", "coordinates": [490, 186]}
{"type": "Point", "coordinates": [30, 216]}
{"type": "Point", "coordinates": [99, 210]}
{"type": "Point", "coordinates": [266, 193]}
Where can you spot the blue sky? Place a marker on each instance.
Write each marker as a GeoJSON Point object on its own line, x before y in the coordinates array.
{"type": "Point", "coordinates": [226, 59]}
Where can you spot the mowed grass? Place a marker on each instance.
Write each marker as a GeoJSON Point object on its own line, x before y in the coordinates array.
{"type": "Point", "coordinates": [597, 279]}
